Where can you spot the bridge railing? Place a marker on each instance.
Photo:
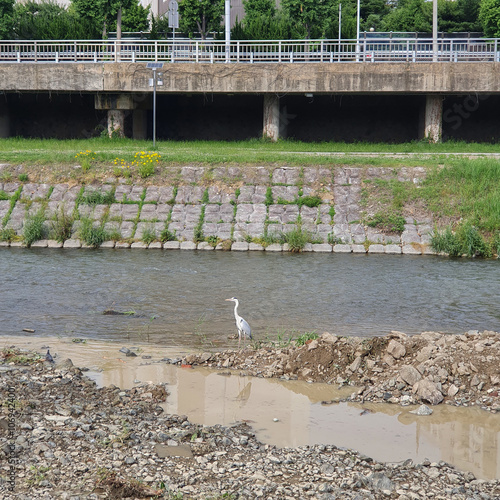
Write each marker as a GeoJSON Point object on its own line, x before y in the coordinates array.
{"type": "Point", "coordinates": [378, 50]}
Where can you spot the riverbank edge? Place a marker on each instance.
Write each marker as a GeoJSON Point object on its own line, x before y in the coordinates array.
{"type": "Point", "coordinates": [237, 246]}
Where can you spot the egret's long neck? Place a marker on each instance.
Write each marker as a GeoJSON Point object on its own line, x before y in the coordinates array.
{"type": "Point", "coordinates": [236, 309]}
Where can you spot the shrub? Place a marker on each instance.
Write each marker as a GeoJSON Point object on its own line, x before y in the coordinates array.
{"type": "Point", "coordinates": [148, 235]}
{"type": "Point", "coordinates": [98, 197]}
{"type": "Point", "coordinates": [167, 235]}
{"type": "Point", "coordinates": [297, 239]}
{"type": "Point", "coordinates": [390, 222]}
{"type": "Point", "coordinates": [7, 234]}
{"type": "Point", "coordinates": [34, 229]}
{"type": "Point", "coordinates": [466, 240]}
{"type": "Point", "coordinates": [309, 201]}
{"type": "Point", "coordinates": [92, 235]}
{"type": "Point", "coordinates": [473, 244]}
{"type": "Point", "coordinates": [446, 242]}
{"type": "Point", "coordinates": [61, 225]}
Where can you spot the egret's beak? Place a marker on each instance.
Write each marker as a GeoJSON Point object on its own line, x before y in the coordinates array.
{"type": "Point", "coordinates": [229, 300]}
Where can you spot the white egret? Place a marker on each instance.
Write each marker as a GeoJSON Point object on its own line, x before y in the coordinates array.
{"type": "Point", "coordinates": [243, 327]}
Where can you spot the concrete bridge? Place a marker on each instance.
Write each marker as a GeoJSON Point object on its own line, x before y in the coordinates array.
{"type": "Point", "coordinates": [122, 89]}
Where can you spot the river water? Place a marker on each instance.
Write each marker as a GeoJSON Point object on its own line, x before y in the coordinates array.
{"type": "Point", "coordinates": [178, 296]}
{"type": "Point", "coordinates": [178, 300]}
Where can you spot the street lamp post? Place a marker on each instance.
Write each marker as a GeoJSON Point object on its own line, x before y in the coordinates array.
{"type": "Point", "coordinates": [434, 30]}
{"type": "Point", "coordinates": [153, 82]}
{"type": "Point", "coordinates": [227, 26]}
{"type": "Point", "coordinates": [357, 30]}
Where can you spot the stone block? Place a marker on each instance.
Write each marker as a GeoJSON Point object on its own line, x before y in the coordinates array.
{"type": "Point", "coordinates": [411, 250]}
{"type": "Point", "coordinates": [139, 244]}
{"type": "Point", "coordinates": [187, 245]}
{"type": "Point", "coordinates": [274, 247]}
{"type": "Point", "coordinates": [358, 249]}
{"type": "Point", "coordinates": [376, 248]}
{"type": "Point", "coordinates": [255, 246]}
{"type": "Point", "coordinates": [393, 249]}
{"type": "Point", "coordinates": [155, 245]}
{"type": "Point", "coordinates": [40, 244]}
{"type": "Point", "coordinates": [108, 244]}
{"type": "Point", "coordinates": [72, 243]}
{"type": "Point", "coordinates": [341, 248]}
{"type": "Point", "coordinates": [122, 244]}
{"type": "Point", "coordinates": [239, 246]}
{"type": "Point", "coordinates": [322, 247]}
{"type": "Point", "coordinates": [204, 245]}
{"type": "Point", "coordinates": [171, 245]}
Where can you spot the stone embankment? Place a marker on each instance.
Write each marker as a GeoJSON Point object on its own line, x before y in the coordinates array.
{"type": "Point", "coordinates": [429, 368]}
{"type": "Point", "coordinates": [203, 208]}
{"type": "Point", "coordinates": [73, 440]}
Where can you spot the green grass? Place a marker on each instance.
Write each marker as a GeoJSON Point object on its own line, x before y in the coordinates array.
{"type": "Point", "coordinates": [34, 228]}
{"type": "Point", "coordinates": [49, 151]}
{"type": "Point", "coordinates": [470, 190]}
{"type": "Point", "coordinates": [92, 235]}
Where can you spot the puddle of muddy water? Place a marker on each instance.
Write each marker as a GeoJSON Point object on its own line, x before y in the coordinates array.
{"type": "Point", "coordinates": [292, 413]}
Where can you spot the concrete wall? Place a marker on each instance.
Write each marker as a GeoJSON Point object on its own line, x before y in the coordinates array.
{"type": "Point", "coordinates": [443, 78]}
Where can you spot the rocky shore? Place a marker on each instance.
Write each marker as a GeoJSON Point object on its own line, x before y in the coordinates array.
{"type": "Point", "coordinates": [63, 437]}
{"type": "Point", "coordinates": [429, 368]}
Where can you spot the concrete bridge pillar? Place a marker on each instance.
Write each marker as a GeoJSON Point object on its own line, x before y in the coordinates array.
{"type": "Point", "coordinates": [4, 119]}
{"type": "Point", "coordinates": [117, 106]}
{"type": "Point", "coordinates": [271, 129]}
{"type": "Point", "coordinates": [433, 120]}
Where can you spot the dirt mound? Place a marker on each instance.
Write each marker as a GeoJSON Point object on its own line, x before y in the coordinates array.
{"type": "Point", "coordinates": [430, 367]}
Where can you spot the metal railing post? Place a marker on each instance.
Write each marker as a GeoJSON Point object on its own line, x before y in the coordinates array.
{"type": "Point", "coordinates": [197, 53]}
{"type": "Point", "coordinates": [279, 51]}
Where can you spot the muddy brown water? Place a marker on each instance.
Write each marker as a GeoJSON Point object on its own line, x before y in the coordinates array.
{"type": "Point", "coordinates": [292, 413]}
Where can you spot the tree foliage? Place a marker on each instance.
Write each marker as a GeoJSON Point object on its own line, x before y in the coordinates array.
{"type": "Point", "coordinates": [489, 17]}
{"type": "Point", "coordinates": [409, 15]}
{"type": "Point", "coordinates": [201, 16]}
{"type": "Point", "coordinates": [310, 17]}
{"type": "Point", "coordinates": [6, 18]}
{"type": "Point", "coordinates": [102, 14]}
{"type": "Point", "coordinates": [47, 21]}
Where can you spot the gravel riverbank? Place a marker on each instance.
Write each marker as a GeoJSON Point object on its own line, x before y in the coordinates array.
{"type": "Point", "coordinates": [72, 439]}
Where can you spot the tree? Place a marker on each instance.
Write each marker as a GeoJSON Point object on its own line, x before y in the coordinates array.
{"type": "Point", "coordinates": [310, 16]}
{"type": "Point", "coordinates": [136, 18]}
{"type": "Point", "coordinates": [372, 13]}
{"type": "Point", "coordinates": [263, 21]}
{"type": "Point", "coordinates": [202, 16]}
{"type": "Point", "coordinates": [255, 9]}
{"type": "Point", "coordinates": [409, 15]}
{"type": "Point", "coordinates": [46, 21]}
{"type": "Point", "coordinates": [6, 18]}
{"type": "Point", "coordinates": [460, 15]}
{"type": "Point", "coordinates": [489, 16]}
{"type": "Point", "coordinates": [103, 13]}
